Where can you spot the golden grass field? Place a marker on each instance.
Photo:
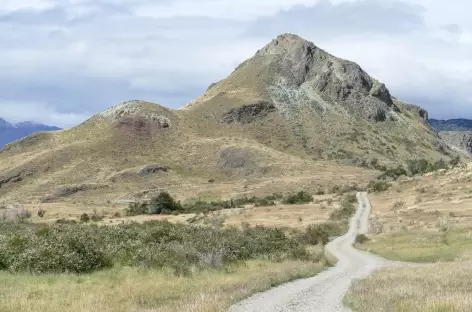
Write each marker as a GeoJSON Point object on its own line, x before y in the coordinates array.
{"type": "Point", "coordinates": [127, 289]}
{"type": "Point", "coordinates": [431, 225]}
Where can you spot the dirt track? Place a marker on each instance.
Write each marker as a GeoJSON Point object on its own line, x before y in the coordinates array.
{"type": "Point", "coordinates": [324, 292]}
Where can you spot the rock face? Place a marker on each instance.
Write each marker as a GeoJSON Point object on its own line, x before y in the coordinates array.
{"type": "Point", "coordinates": [247, 113]}
{"type": "Point", "coordinates": [303, 73]}
{"type": "Point", "coordinates": [459, 140]}
{"type": "Point", "coordinates": [151, 169]}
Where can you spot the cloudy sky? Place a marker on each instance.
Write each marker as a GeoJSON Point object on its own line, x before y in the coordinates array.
{"type": "Point", "coordinates": [61, 61]}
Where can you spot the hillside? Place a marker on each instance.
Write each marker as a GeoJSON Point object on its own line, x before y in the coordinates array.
{"type": "Point", "coordinates": [291, 116]}
{"type": "Point", "coordinates": [11, 132]}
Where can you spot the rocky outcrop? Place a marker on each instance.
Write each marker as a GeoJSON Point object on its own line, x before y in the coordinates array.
{"type": "Point", "coordinates": [459, 140]}
{"type": "Point", "coordinates": [302, 73]}
{"type": "Point", "coordinates": [247, 113]}
{"type": "Point", "coordinates": [152, 169]}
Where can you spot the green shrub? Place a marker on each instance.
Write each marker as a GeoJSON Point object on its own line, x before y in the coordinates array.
{"type": "Point", "coordinates": [301, 197]}
{"type": "Point", "coordinates": [361, 239]}
{"type": "Point", "coordinates": [164, 204]}
{"type": "Point", "coordinates": [83, 248]}
{"type": "Point", "coordinates": [320, 233]}
{"type": "Point", "coordinates": [346, 211]}
{"type": "Point", "coordinates": [41, 212]}
{"type": "Point", "coordinates": [393, 173]}
{"type": "Point", "coordinates": [137, 209]}
{"type": "Point", "coordinates": [378, 186]}
{"type": "Point", "coordinates": [420, 166]}
{"type": "Point", "coordinates": [52, 249]}
{"type": "Point", "coordinates": [84, 218]}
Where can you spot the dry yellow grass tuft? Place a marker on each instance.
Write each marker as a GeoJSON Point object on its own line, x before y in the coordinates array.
{"type": "Point", "coordinates": [127, 289]}
{"type": "Point", "coordinates": [437, 288]}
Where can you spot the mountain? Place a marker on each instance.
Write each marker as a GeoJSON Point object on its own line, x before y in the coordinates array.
{"type": "Point", "coordinates": [451, 124]}
{"type": "Point", "coordinates": [456, 133]}
{"type": "Point", "coordinates": [291, 116]}
{"type": "Point", "coordinates": [12, 132]}
{"type": "Point", "coordinates": [458, 140]}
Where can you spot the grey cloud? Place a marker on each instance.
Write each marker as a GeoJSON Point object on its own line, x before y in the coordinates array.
{"type": "Point", "coordinates": [346, 18]}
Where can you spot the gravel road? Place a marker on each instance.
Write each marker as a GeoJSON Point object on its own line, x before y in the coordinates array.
{"type": "Point", "coordinates": [324, 292]}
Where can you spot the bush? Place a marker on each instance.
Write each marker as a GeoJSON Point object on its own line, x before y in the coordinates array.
{"type": "Point", "coordinates": [420, 166]}
{"type": "Point", "coordinates": [361, 239]}
{"type": "Point", "coordinates": [137, 209]}
{"type": "Point", "coordinates": [84, 218]}
{"type": "Point", "coordinates": [393, 173]}
{"type": "Point", "coordinates": [52, 249]}
{"type": "Point", "coordinates": [82, 248]}
{"type": "Point", "coordinates": [41, 212]}
{"type": "Point", "coordinates": [320, 233]}
{"type": "Point", "coordinates": [301, 197]}
{"type": "Point", "coordinates": [346, 211]}
{"type": "Point", "coordinates": [164, 204]}
{"type": "Point", "coordinates": [378, 186]}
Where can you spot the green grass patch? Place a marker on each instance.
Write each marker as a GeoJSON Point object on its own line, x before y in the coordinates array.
{"type": "Point", "coordinates": [421, 246]}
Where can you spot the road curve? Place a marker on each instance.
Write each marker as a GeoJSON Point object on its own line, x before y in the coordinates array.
{"type": "Point", "coordinates": [324, 292]}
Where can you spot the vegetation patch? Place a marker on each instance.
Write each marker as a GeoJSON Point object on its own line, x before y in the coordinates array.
{"type": "Point", "coordinates": [81, 248]}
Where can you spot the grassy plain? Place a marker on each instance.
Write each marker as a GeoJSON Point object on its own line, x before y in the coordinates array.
{"type": "Point", "coordinates": [426, 220]}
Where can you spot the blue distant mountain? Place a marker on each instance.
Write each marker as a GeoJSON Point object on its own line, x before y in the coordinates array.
{"type": "Point", "coordinates": [451, 124]}
{"type": "Point", "coordinates": [10, 132]}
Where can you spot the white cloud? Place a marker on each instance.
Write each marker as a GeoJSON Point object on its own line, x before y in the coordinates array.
{"type": "Point", "coordinates": [78, 57]}
{"type": "Point", "coordinates": [39, 112]}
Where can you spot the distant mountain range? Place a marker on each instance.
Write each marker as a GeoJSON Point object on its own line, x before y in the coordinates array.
{"type": "Point", "coordinates": [10, 132]}
{"type": "Point", "coordinates": [457, 133]}
{"type": "Point", "coordinates": [451, 124]}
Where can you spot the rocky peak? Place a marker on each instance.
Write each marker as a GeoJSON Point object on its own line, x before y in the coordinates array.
{"type": "Point", "coordinates": [311, 75]}
{"type": "Point", "coordinates": [288, 44]}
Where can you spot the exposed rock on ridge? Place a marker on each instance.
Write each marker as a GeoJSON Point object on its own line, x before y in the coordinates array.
{"type": "Point", "coordinates": [459, 140]}
{"type": "Point", "coordinates": [303, 73]}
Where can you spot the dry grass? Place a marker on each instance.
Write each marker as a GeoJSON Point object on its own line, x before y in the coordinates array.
{"type": "Point", "coordinates": [437, 288]}
{"type": "Point", "coordinates": [422, 246]}
{"type": "Point", "coordinates": [126, 289]}
{"type": "Point", "coordinates": [290, 216]}
{"type": "Point", "coordinates": [433, 225]}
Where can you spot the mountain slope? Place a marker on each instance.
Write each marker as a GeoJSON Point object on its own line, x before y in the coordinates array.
{"type": "Point", "coordinates": [290, 112]}
{"type": "Point", "coordinates": [12, 132]}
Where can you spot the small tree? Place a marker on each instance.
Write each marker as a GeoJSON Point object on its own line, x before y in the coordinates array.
{"type": "Point", "coordinates": [164, 204]}
{"type": "Point", "coordinates": [84, 218]}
